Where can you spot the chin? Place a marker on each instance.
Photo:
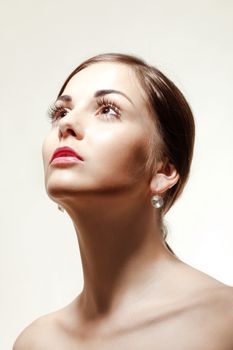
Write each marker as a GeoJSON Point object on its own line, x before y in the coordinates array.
{"type": "Point", "coordinates": [69, 185]}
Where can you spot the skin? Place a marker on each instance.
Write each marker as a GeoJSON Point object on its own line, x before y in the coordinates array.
{"type": "Point", "coordinates": [136, 294]}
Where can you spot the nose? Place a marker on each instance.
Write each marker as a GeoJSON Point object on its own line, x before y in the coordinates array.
{"type": "Point", "coordinates": [69, 126]}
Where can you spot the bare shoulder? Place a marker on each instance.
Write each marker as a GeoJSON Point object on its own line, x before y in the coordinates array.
{"type": "Point", "coordinates": [210, 304]}
{"type": "Point", "coordinates": [219, 312]}
{"type": "Point", "coordinates": [37, 335]}
{"type": "Point", "coordinates": [221, 300]}
{"type": "Point", "coordinates": [216, 308]}
{"type": "Point", "coordinates": [47, 332]}
{"type": "Point", "coordinates": [217, 295]}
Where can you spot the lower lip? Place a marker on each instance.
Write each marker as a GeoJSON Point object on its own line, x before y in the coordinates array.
{"type": "Point", "coordinates": [65, 161]}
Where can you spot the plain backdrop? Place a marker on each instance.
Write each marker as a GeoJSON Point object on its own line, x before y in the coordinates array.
{"type": "Point", "coordinates": [41, 43]}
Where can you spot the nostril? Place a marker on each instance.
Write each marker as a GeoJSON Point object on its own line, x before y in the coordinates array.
{"type": "Point", "coordinates": [71, 131]}
{"type": "Point", "coordinates": [68, 130]}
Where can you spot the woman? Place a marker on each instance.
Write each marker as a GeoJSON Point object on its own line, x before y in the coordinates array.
{"type": "Point", "coordinates": [117, 157]}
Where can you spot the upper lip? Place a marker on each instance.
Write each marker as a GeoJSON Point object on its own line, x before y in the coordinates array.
{"type": "Point", "coordinates": [65, 152]}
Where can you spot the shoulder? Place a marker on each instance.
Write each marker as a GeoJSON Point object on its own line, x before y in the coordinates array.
{"type": "Point", "coordinates": [222, 302]}
{"type": "Point", "coordinates": [222, 307]}
{"type": "Point", "coordinates": [210, 306]}
{"type": "Point", "coordinates": [46, 332]}
{"type": "Point", "coordinates": [215, 313]}
{"type": "Point", "coordinates": [214, 295]}
{"type": "Point", "coordinates": [36, 335]}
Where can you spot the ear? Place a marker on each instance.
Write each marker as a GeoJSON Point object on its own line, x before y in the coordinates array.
{"type": "Point", "coordinates": [166, 176]}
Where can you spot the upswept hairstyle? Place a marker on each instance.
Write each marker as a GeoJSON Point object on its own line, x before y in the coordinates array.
{"type": "Point", "coordinates": [172, 116]}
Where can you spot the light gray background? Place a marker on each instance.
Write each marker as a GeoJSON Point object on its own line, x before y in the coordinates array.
{"type": "Point", "coordinates": [41, 43]}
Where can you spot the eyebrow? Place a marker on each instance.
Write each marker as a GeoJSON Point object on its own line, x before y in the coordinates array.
{"type": "Point", "coordinates": [65, 98]}
{"type": "Point", "coordinates": [111, 91]}
{"type": "Point", "coordinates": [98, 93]}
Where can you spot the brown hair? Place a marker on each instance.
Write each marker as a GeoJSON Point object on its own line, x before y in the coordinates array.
{"type": "Point", "coordinates": [172, 115]}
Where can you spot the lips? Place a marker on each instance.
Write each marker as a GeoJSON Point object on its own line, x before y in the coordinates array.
{"type": "Point", "coordinates": [65, 152]}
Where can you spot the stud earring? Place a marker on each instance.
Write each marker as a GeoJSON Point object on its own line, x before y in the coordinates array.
{"type": "Point", "coordinates": [60, 208]}
{"type": "Point", "coordinates": [157, 201]}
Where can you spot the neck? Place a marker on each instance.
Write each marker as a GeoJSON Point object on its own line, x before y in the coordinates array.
{"type": "Point", "coordinates": [122, 251]}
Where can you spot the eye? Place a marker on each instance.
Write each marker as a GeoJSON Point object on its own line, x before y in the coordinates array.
{"type": "Point", "coordinates": [55, 112]}
{"type": "Point", "coordinates": [108, 108]}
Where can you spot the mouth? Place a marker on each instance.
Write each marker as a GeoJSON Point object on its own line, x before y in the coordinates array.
{"type": "Point", "coordinates": [65, 153]}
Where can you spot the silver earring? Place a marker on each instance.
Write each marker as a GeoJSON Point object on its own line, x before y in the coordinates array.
{"type": "Point", "coordinates": [60, 208]}
{"type": "Point", "coordinates": [157, 201]}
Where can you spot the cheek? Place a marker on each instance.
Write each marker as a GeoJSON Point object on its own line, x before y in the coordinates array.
{"type": "Point", "coordinates": [134, 159]}
{"type": "Point", "coordinates": [124, 156]}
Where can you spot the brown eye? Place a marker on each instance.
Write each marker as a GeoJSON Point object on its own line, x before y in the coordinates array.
{"type": "Point", "coordinates": [108, 108]}
{"type": "Point", "coordinates": [55, 112]}
{"type": "Point", "coordinates": [62, 113]}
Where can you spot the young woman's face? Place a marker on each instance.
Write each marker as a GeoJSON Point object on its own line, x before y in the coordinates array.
{"type": "Point", "coordinates": [110, 130]}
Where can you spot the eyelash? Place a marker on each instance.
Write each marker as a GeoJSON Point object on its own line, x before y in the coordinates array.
{"type": "Point", "coordinates": [55, 112]}
{"type": "Point", "coordinates": [105, 102]}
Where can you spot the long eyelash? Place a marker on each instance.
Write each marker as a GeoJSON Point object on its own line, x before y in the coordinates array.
{"type": "Point", "coordinates": [103, 101]}
{"type": "Point", "coordinates": [54, 112]}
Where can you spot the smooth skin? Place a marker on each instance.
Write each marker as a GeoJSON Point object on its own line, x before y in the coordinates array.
{"type": "Point", "coordinates": [136, 294]}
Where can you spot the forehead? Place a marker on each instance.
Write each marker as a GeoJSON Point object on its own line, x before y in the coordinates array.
{"type": "Point", "coordinates": [106, 75]}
